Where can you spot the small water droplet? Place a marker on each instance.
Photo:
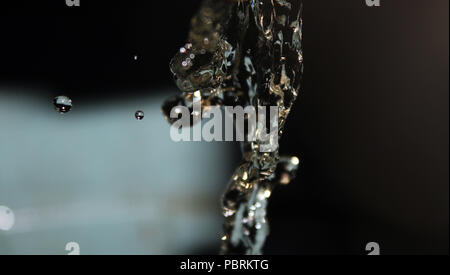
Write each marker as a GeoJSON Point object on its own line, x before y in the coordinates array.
{"type": "Point", "coordinates": [139, 115]}
{"type": "Point", "coordinates": [7, 218]}
{"type": "Point", "coordinates": [62, 104]}
{"type": "Point", "coordinates": [135, 57]}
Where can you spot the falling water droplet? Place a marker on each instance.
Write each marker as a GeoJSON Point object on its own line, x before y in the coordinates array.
{"type": "Point", "coordinates": [135, 57]}
{"type": "Point", "coordinates": [7, 218]}
{"type": "Point", "coordinates": [139, 115]}
{"type": "Point", "coordinates": [62, 104]}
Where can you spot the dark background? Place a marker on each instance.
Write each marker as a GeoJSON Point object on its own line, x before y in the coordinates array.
{"type": "Point", "coordinates": [371, 126]}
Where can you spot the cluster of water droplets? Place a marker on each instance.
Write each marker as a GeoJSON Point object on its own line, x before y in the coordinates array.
{"type": "Point", "coordinates": [245, 53]}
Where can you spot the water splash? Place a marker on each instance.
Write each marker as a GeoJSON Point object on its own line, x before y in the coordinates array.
{"type": "Point", "coordinates": [245, 53]}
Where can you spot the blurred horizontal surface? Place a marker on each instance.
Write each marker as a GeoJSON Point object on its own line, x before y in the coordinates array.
{"type": "Point", "coordinates": [101, 178]}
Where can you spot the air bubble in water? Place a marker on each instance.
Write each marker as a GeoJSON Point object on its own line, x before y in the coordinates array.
{"type": "Point", "coordinates": [139, 115]}
{"type": "Point", "coordinates": [62, 104]}
{"type": "Point", "coordinates": [7, 218]}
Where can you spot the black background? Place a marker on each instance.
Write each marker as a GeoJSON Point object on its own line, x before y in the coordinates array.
{"type": "Point", "coordinates": [371, 126]}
